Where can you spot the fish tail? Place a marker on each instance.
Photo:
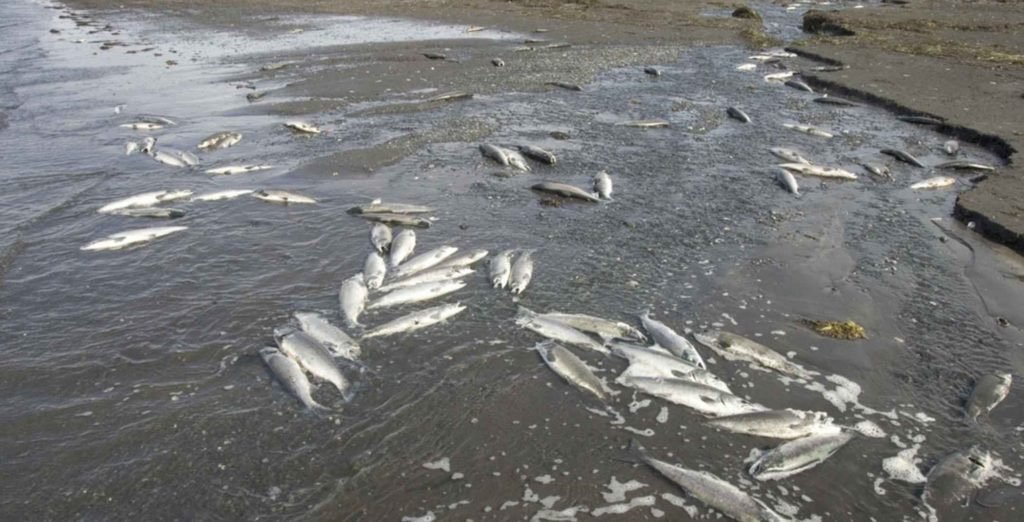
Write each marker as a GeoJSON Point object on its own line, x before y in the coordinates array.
{"type": "Point", "coordinates": [635, 453]}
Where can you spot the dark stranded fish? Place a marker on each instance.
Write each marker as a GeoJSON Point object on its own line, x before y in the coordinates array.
{"type": "Point", "coordinates": [150, 212]}
{"type": "Point", "coordinates": [398, 220]}
{"type": "Point", "coordinates": [538, 154]}
{"type": "Point", "coordinates": [565, 190]}
{"type": "Point", "coordinates": [798, 85]}
{"type": "Point", "coordinates": [921, 120]}
{"type": "Point", "coordinates": [737, 114]}
{"type": "Point", "coordinates": [964, 165]}
{"type": "Point", "coordinates": [653, 71]}
{"type": "Point", "coordinates": [498, 62]}
{"type": "Point", "coordinates": [839, 102]}
{"type": "Point", "coordinates": [450, 96]}
{"type": "Point", "coordinates": [566, 86]}
{"type": "Point", "coordinates": [436, 56]}
{"type": "Point", "coordinates": [903, 156]}
{"type": "Point", "coordinates": [877, 170]}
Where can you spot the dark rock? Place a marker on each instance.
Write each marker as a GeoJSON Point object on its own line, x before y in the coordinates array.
{"type": "Point", "coordinates": [826, 23]}
{"type": "Point", "coordinates": [746, 13]}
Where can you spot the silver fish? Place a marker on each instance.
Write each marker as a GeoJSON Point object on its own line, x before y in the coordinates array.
{"type": "Point", "coordinates": [282, 196]}
{"type": "Point", "coordinates": [964, 165]}
{"type": "Point", "coordinates": [142, 126]}
{"type": "Point", "coordinates": [380, 237]}
{"type": "Point", "coordinates": [789, 155]}
{"type": "Point", "coordinates": [378, 207]}
{"type": "Point", "coordinates": [644, 362]}
{"type": "Point", "coordinates": [738, 348]}
{"type": "Point", "coordinates": [501, 268]}
{"type": "Point", "coordinates": [334, 338]}
{"type": "Point", "coordinates": [808, 129]}
{"type": "Point", "coordinates": [231, 170]}
{"type": "Point", "coordinates": [935, 182]}
{"type": "Point", "coordinates": [572, 369]}
{"type": "Point", "coordinates": [778, 77]}
{"type": "Point", "coordinates": [522, 272]}
{"type": "Point", "coordinates": [450, 96]}
{"type": "Point", "coordinates": [302, 127]}
{"type": "Point", "coordinates": [495, 152]}
{"type": "Point", "coordinates": [417, 293]}
{"type": "Point", "coordinates": [786, 179]}
{"type": "Point", "coordinates": [646, 124]}
{"type": "Point", "coordinates": [877, 170]}
{"type": "Point", "coordinates": [352, 297]}
{"type": "Point", "coordinates": [146, 199]}
{"type": "Point", "coordinates": [815, 170]}
{"type": "Point", "coordinates": [603, 185]}
{"type": "Point", "coordinates": [416, 320]}
{"type": "Point", "coordinates": [374, 270]}
{"type": "Point", "coordinates": [402, 247]}
{"type": "Point", "coordinates": [222, 195]}
{"type": "Point", "coordinates": [988, 392]}
{"type": "Point", "coordinates": [671, 341]}
{"type": "Point", "coordinates": [737, 114]}
{"type": "Point", "coordinates": [604, 328]}
{"type": "Point", "coordinates": [538, 154]}
{"type": "Point", "coordinates": [701, 398]}
{"type": "Point", "coordinates": [951, 483]}
{"type": "Point", "coordinates": [515, 159]}
{"type": "Point", "coordinates": [565, 190]}
{"type": "Point", "coordinates": [441, 273]}
{"type": "Point", "coordinates": [797, 455]}
{"type": "Point", "coordinates": [713, 491]}
{"type": "Point", "coordinates": [313, 357]}
{"type": "Point", "coordinates": [903, 156]}
{"type": "Point", "coordinates": [799, 85]}
{"type": "Point", "coordinates": [776, 424]}
{"type": "Point", "coordinates": [148, 143]}
{"type": "Point", "coordinates": [466, 259]}
{"type": "Point", "coordinates": [397, 220]}
{"type": "Point", "coordinates": [289, 374]}
{"type": "Point", "coordinates": [220, 140]}
{"type": "Point", "coordinates": [424, 261]}
{"type": "Point", "coordinates": [167, 157]}
{"type": "Point", "coordinates": [557, 331]}
{"type": "Point", "coordinates": [653, 71]}
{"type": "Point", "coordinates": [119, 240]}
{"type": "Point", "coordinates": [150, 212]}
{"type": "Point", "coordinates": [832, 100]}
{"type": "Point", "coordinates": [130, 148]}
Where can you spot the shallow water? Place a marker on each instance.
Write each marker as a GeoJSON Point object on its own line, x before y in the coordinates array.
{"type": "Point", "coordinates": [132, 379]}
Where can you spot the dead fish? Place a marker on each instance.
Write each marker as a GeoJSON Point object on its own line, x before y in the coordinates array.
{"type": "Point", "coordinates": [501, 268]}
{"type": "Point", "coordinates": [951, 147]}
{"type": "Point", "coordinates": [646, 124]}
{"type": "Point", "coordinates": [565, 190]}
{"type": "Point", "coordinates": [936, 182]}
{"type": "Point", "coordinates": [921, 120]}
{"type": "Point", "coordinates": [313, 357]}
{"type": "Point", "coordinates": [147, 145]}
{"type": "Point", "coordinates": [352, 298]}
{"type": "Point", "coordinates": [832, 100]}
{"type": "Point", "coordinates": [282, 196]}
{"type": "Point", "coordinates": [150, 212]}
{"type": "Point", "coordinates": [398, 220]}
{"type": "Point", "coordinates": [380, 237]}
{"type": "Point", "coordinates": [436, 56]}
{"type": "Point", "coordinates": [494, 152]}
{"type": "Point", "coordinates": [808, 129]}
{"type": "Point", "coordinates": [572, 369]}
{"type": "Point", "coordinates": [776, 424]}
{"type": "Point", "coordinates": [829, 68]}
{"type": "Point", "coordinates": [231, 170]}
{"type": "Point", "coordinates": [878, 170]}
{"type": "Point", "coordinates": [378, 207]}
{"type": "Point", "coordinates": [522, 273]}
{"type": "Point", "coordinates": [786, 179]}
{"type": "Point", "coordinates": [952, 482]}
{"type": "Point", "coordinates": [515, 159]}
{"type": "Point", "coordinates": [142, 126]}
{"type": "Point", "coordinates": [797, 455]}
{"type": "Point", "coordinates": [374, 270]}
{"type": "Point", "coordinates": [288, 372]}
{"type": "Point", "coordinates": [302, 127]}
{"type": "Point", "coordinates": [417, 320]}
{"type": "Point", "coordinates": [737, 114]}
{"type": "Point", "coordinates": [988, 392]}
{"type": "Point", "coordinates": [777, 77]}
{"type": "Point", "coordinates": [566, 86]}
{"type": "Point", "coordinates": [253, 96]}
{"type": "Point", "coordinates": [538, 154]}
{"type": "Point", "coordinates": [799, 85]}
{"type": "Point", "coordinates": [653, 71]}
{"type": "Point", "coordinates": [220, 140]}
{"type": "Point", "coordinates": [603, 185]}
{"type": "Point", "coordinates": [964, 165]}
{"type": "Point", "coordinates": [746, 67]}
{"type": "Point", "coordinates": [126, 238]}
{"type": "Point", "coordinates": [450, 96]}
{"type": "Point", "coordinates": [815, 170]}
{"type": "Point", "coordinates": [130, 148]}
{"type": "Point", "coordinates": [789, 155]}
{"type": "Point", "coordinates": [402, 246]}
{"type": "Point", "coordinates": [903, 156]}
{"type": "Point", "coordinates": [498, 62]}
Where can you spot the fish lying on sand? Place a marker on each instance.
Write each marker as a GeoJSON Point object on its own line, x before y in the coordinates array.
{"type": "Point", "coordinates": [397, 220]}
{"type": "Point", "coordinates": [738, 348]}
{"type": "Point", "coordinates": [935, 182]}
{"type": "Point", "coordinates": [282, 196]}
{"type": "Point", "coordinates": [465, 259]}
{"type": "Point", "coordinates": [646, 124]}
{"type": "Point", "coordinates": [352, 297]}
{"type": "Point", "coordinates": [335, 339]}
{"type": "Point", "coordinates": [799, 85]}
{"type": "Point", "coordinates": [416, 320]}
{"type": "Point", "coordinates": [417, 293]}
{"type": "Point", "coordinates": [379, 207]}
{"type": "Point", "coordinates": [146, 199]}
{"type": "Point", "coordinates": [222, 195]}
{"type": "Point", "coordinates": [646, 362]}
{"type": "Point", "coordinates": [424, 261]}
{"type": "Point", "coordinates": [220, 140]}
{"type": "Point", "coordinates": [601, 327]}
{"type": "Point", "coordinates": [572, 369]}
{"type": "Point", "coordinates": [786, 179]}
{"type": "Point", "coordinates": [808, 129]}
{"type": "Point", "coordinates": [952, 483]}
{"type": "Point", "coordinates": [288, 372]}
{"type": "Point", "coordinates": [402, 246]}
{"type": "Point", "coordinates": [821, 172]}
{"type": "Point", "coordinates": [380, 237]}
{"type": "Point", "coordinates": [501, 268]}
{"type": "Point", "coordinates": [150, 212]}
{"type": "Point", "coordinates": [789, 155]}
{"type": "Point", "coordinates": [565, 190]}
{"type": "Point", "coordinates": [374, 270]}
{"type": "Point", "coordinates": [877, 170]}
{"type": "Point", "coordinates": [668, 339]}
{"type": "Point", "coordinates": [538, 154]}
{"type": "Point", "coordinates": [964, 165]}
{"type": "Point", "coordinates": [312, 357]}
{"type": "Point", "coordinates": [832, 100]}
{"type": "Point", "coordinates": [302, 127]}
{"type": "Point", "coordinates": [737, 114]}
{"type": "Point", "coordinates": [988, 392]}
{"type": "Point", "coordinates": [701, 398]}
{"type": "Point", "coordinates": [522, 272]}
{"type": "Point", "coordinates": [432, 275]}
{"type": "Point", "coordinates": [776, 424]}
{"type": "Point", "coordinates": [903, 156]}
{"type": "Point", "coordinates": [951, 147]}
{"type": "Point", "coordinates": [603, 185]}
{"type": "Point", "coordinates": [798, 455]}
{"type": "Point", "coordinates": [557, 331]}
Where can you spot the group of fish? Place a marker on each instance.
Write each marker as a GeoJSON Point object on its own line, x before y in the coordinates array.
{"type": "Point", "coordinates": [797, 163]}
{"type": "Point", "coordinates": [602, 182]}
{"type": "Point", "coordinates": [671, 368]}
{"type": "Point", "coordinates": [147, 205]}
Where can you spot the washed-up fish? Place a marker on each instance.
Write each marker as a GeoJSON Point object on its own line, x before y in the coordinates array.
{"type": "Point", "coordinates": [416, 320]}
{"type": "Point", "coordinates": [645, 362]}
{"type": "Point", "coordinates": [566, 86]}
{"type": "Point", "coordinates": [951, 484]}
{"type": "Point", "coordinates": [119, 240]}
{"type": "Point", "coordinates": [424, 261]}
{"type": "Point", "coordinates": [936, 182]}
{"type": "Point", "coordinates": [282, 196]}
{"type": "Point", "coordinates": [220, 140]}
{"type": "Point", "coordinates": [832, 100]}
{"type": "Point", "coordinates": [450, 96]}
{"type": "Point", "coordinates": [515, 159]}
{"type": "Point", "coordinates": [332, 337]}
{"type": "Point", "coordinates": [289, 374]}
{"type": "Point", "coordinates": [374, 270]}
{"type": "Point", "coordinates": [988, 392]}
{"type": "Point", "coordinates": [142, 126]}
{"type": "Point", "coordinates": [501, 268]}
{"type": "Point", "coordinates": [603, 185]}
{"type": "Point", "coordinates": [222, 194]}
{"type": "Point", "coordinates": [877, 170]}
{"type": "Point", "coordinates": [701, 398]}
{"type": "Point", "coordinates": [378, 207]}
{"type": "Point", "coordinates": [572, 369]}
{"type": "Point", "coordinates": [653, 71]}
{"type": "Point", "coordinates": [466, 259]}
{"type": "Point", "coordinates": [494, 152]}
{"type": "Point", "coordinates": [737, 114]}
{"type": "Point", "coordinates": [557, 331]}
{"type": "Point", "coordinates": [231, 170]}
{"type": "Point", "coordinates": [787, 180]}
{"type": "Point", "coordinates": [380, 237]}
{"type": "Point", "coordinates": [148, 143]}
{"type": "Point", "coordinates": [445, 273]}
{"type": "Point", "coordinates": [808, 129]}
{"type": "Point", "coordinates": [712, 491]}
{"type": "Point", "coordinates": [964, 165]}
{"type": "Point", "coordinates": [921, 120]}
{"type": "Point", "coordinates": [302, 127]}
{"type": "Point", "coordinates": [738, 348]}
{"type": "Point", "coordinates": [150, 212]}
{"type": "Point", "coordinates": [146, 199]}
{"type": "Point", "coordinates": [668, 339]}
{"type": "Point", "coordinates": [397, 220]}
{"type": "Point", "coordinates": [798, 85]}
{"type": "Point", "coordinates": [903, 156]}
{"type": "Point", "coordinates": [951, 147]}
{"type": "Point", "coordinates": [402, 247]}
{"type": "Point", "coordinates": [777, 424]}
{"type": "Point", "coordinates": [474, 28]}
{"type": "Point", "coordinates": [170, 157]}
{"type": "Point", "coordinates": [152, 118]}
{"type": "Point", "coordinates": [522, 272]}
{"type": "Point", "coordinates": [797, 455]}
{"type": "Point", "coordinates": [646, 124]}
{"type": "Point", "coordinates": [417, 293]}
{"type": "Point", "coordinates": [746, 67]}
{"type": "Point", "coordinates": [538, 154]}
{"type": "Point", "coordinates": [789, 155]}
{"type": "Point", "coordinates": [498, 62]}
{"type": "Point", "coordinates": [130, 148]}
{"type": "Point", "coordinates": [312, 357]}
{"type": "Point", "coordinates": [778, 77]}
{"type": "Point", "coordinates": [604, 328]}
{"type": "Point", "coordinates": [565, 190]}
{"type": "Point", "coordinates": [352, 297]}
{"type": "Point", "coordinates": [821, 172]}
{"type": "Point", "coordinates": [829, 68]}
{"type": "Point", "coordinates": [435, 56]}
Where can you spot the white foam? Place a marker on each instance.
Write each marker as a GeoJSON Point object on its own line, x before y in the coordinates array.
{"type": "Point", "coordinates": [429, 517]}
{"type": "Point", "coordinates": [544, 479]}
{"type": "Point", "coordinates": [676, 501]}
{"type": "Point", "coordinates": [444, 465]}
{"type": "Point", "coordinates": [565, 515]}
{"type": "Point", "coordinates": [869, 429]}
{"type": "Point", "coordinates": [548, 502]}
{"type": "Point", "coordinates": [903, 466]}
{"type": "Point", "coordinates": [617, 490]}
{"type": "Point", "coordinates": [618, 509]}
{"type": "Point", "coordinates": [643, 433]}
{"type": "Point", "coordinates": [638, 405]}
{"type": "Point", "coordinates": [662, 415]}
{"type": "Point", "coordinates": [530, 496]}
{"type": "Point", "coordinates": [657, 513]}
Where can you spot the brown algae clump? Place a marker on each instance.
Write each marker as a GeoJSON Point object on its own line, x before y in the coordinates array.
{"type": "Point", "coordinates": [848, 330]}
